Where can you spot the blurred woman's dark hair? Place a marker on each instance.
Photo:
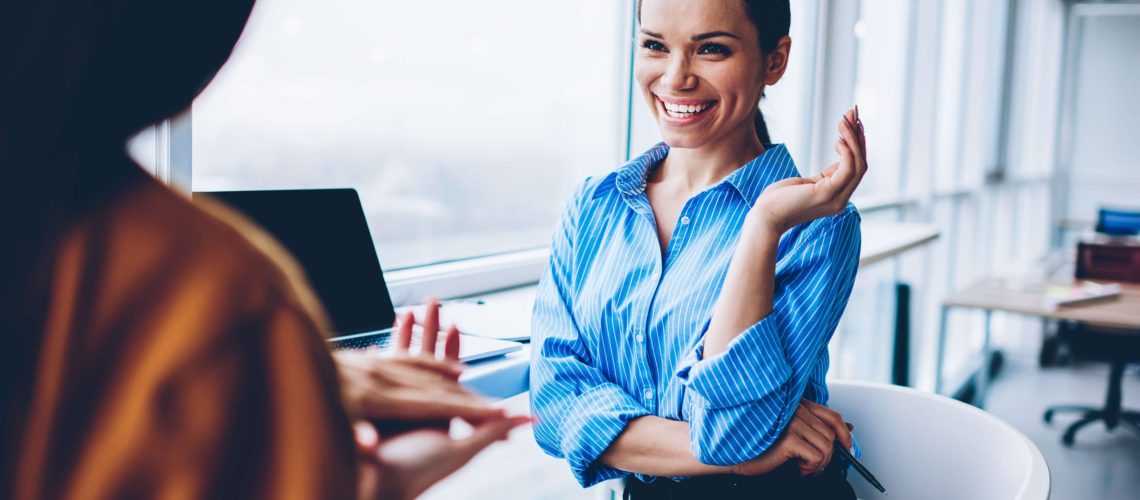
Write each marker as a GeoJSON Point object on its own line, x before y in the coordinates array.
{"type": "Point", "coordinates": [79, 78]}
{"type": "Point", "coordinates": [773, 21]}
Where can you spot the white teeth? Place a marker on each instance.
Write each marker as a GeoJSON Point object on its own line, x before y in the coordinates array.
{"type": "Point", "coordinates": [684, 111]}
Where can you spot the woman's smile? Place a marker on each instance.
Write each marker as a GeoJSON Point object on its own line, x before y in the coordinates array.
{"type": "Point", "coordinates": [681, 112]}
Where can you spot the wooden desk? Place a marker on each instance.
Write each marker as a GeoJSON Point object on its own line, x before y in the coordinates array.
{"type": "Point", "coordinates": [1007, 296]}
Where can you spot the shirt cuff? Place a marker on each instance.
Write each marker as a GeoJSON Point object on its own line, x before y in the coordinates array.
{"type": "Point", "coordinates": [594, 421]}
{"type": "Point", "coordinates": [750, 368]}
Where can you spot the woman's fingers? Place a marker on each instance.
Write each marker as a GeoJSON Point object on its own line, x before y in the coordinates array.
{"type": "Point", "coordinates": [855, 141]}
{"type": "Point", "coordinates": [826, 433]}
{"type": "Point", "coordinates": [366, 437]}
{"type": "Point", "coordinates": [487, 433]}
{"type": "Point", "coordinates": [430, 329]}
{"type": "Point", "coordinates": [404, 332]}
{"type": "Point", "coordinates": [833, 419]}
{"type": "Point", "coordinates": [844, 174]}
{"type": "Point", "coordinates": [451, 345]}
{"type": "Point", "coordinates": [807, 450]}
{"type": "Point", "coordinates": [852, 161]}
{"type": "Point", "coordinates": [849, 133]}
{"type": "Point", "coordinates": [820, 443]}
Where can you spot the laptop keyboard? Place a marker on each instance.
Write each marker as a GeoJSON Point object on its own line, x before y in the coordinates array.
{"type": "Point", "coordinates": [382, 342]}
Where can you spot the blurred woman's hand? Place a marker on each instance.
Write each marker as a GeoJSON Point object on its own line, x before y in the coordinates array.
{"type": "Point", "coordinates": [404, 387]}
{"type": "Point", "coordinates": [411, 399]}
{"type": "Point", "coordinates": [404, 466]}
{"type": "Point", "coordinates": [797, 200]}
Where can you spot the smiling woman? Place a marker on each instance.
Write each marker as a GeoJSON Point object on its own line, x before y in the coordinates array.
{"type": "Point", "coordinates": [668, 342]}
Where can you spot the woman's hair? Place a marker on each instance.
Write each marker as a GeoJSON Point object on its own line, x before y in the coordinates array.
{"type": "Point", "coordinates": [84, 76]}
{"type": "Point", "coordinates": [773, 20]}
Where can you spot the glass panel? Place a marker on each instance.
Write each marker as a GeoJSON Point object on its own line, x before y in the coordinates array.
{"type": "Point", "coordinates": [882, 34]}
{"type": "Point", "coordinates": [463, 129]}
{"type": "Point", "coordinates": [143, 148]}
{"type": "Point", "coordinates": [950, 94]}
{"type": "Point", "coordinates": [787, 105]}
{"type": "Point", "coordinates": [862, 346]}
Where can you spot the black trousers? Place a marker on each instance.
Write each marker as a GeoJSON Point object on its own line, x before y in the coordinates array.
{"type": "Point", "coordinates": [782, 483]}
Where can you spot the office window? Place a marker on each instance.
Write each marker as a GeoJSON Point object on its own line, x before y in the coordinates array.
{"type": "Point", "coordinates": [882, 36]}
{"type": "Point", "coordinates": [787, 106]}
{"type": "Point", "coordinates": [464, 125]}
{"type": "Point", "coordinates": [143, 148]}
{"type": "Point", "coordinates": [951, 83]}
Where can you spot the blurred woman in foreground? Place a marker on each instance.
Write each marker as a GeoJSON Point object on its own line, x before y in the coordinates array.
{"type": "Point", "coordinates": [158, 349]}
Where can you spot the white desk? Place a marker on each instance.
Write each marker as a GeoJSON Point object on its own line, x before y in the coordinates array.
{"type": "Point", "coordinates": [507, 376]}
{"type": "Point", "coordinates": [500, 377]}
{"type": "Point", "coordinates": [883, 240]}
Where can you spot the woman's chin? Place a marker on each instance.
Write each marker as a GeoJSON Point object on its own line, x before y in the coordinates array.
{"type": "Point", "coordinates": [683, 141]}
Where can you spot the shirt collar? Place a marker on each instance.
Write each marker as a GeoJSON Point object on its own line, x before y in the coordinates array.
{"type": "Point", "coordinates": [630, 178]}
{"type": "Point", "coordinates": [773, 165]}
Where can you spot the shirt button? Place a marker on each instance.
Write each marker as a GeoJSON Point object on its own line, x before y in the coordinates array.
{"type": "Point", "coordinates": [640, 338]}
{"type": "Point", "coordinates": [685, 219]}
{"type": "Point", "coordinates": [648, 394]}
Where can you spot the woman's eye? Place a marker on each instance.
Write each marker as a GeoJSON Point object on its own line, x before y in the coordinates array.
{"type": "Point", "coordinates": [653, 45]}
{"type": "Point", "coordinates": [714, 49]}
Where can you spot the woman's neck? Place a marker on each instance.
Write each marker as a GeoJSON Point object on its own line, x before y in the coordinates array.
{"type": "Point", "coordinates": [693, 170]}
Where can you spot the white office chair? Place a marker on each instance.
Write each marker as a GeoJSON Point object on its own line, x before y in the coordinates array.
{"type": "Point", "coordinates": [920, 445]}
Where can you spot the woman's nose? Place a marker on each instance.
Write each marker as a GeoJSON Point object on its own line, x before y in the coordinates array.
{"type": "Point", "coordinates": [678, 75]}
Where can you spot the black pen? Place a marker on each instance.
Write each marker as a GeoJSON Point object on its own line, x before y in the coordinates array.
{"type": "Point", "coordinates": [859, 468]}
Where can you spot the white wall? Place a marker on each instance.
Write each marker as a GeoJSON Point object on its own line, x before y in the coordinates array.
{"type": "Point", "coordinates": [1104, 164]}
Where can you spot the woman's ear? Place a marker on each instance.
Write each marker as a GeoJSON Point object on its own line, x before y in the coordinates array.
{"type": "Point", "coordinates": [777, 61]}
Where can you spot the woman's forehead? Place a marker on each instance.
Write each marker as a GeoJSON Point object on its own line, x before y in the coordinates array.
{"type": "Point", "coordinates": [686, 18]}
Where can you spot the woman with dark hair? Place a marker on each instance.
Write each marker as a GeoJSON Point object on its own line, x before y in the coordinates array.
{"type": "Point", "coordinates": [154, 348]}
{"type": "Point", "coordinates": [680, 332]}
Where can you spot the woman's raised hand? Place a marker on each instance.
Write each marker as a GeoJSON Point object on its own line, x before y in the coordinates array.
{"type": "Point", "coordinates": [797, 200]}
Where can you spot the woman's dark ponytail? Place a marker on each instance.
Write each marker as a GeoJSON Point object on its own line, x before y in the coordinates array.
{"type": "Point", "coordinates": [762, 129]}
{"type": "Point", "coordinates": [773, 21]}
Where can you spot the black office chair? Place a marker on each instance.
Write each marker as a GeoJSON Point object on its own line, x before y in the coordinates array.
{"type": "Point", "coordinates": [1119, 347]}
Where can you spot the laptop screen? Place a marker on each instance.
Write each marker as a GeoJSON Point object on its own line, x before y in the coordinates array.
{"type": "Point", "coordinates": [327, 234]}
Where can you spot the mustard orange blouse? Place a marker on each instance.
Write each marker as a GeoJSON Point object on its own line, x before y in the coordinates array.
{"type": "Point", "coordinates": [183, 357]}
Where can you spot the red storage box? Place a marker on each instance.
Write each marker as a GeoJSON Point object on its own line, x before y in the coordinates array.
{"type": "Point", "coordinates": [1109, 261]}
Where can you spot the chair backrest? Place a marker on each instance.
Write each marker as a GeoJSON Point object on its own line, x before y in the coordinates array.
{"type": "Point", "coordinates": [921, 445]}
{"type": "Point", "coordinates": [1118, 222]}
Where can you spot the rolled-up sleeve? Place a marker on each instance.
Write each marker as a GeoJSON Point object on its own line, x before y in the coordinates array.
{"type": "Point", "coordinates": [739, 402]}
{"type": "Point", "coordinates": [578, 412]}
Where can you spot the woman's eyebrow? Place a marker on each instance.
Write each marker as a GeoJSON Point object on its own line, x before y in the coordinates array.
{"type": "Point", "coordinates": [713, 34]}
{"type": "Point", "coordinates": [695, 38]}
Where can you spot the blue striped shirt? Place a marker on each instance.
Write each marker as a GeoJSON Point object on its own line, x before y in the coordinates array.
{"type": "Point", "coordinates": [618, 327]}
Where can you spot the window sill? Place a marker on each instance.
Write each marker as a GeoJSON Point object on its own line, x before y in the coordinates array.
{"type": "Point", "coordinates": [466, 277]}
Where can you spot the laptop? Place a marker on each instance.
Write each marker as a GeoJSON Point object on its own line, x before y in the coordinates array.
{"type": "Point", "coordinates": [327, 233]}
